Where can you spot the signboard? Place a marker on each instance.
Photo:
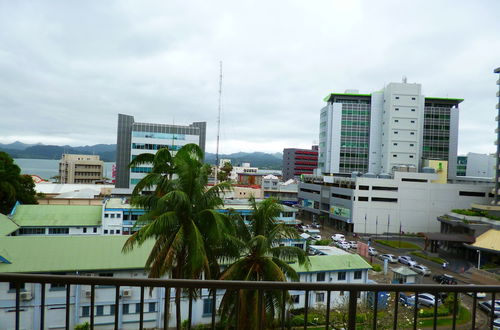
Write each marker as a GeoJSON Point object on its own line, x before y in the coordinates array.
{"type": "Point", "coordinates": [340, 211]}
{"type": "Point", "coordinates": [363, 249]}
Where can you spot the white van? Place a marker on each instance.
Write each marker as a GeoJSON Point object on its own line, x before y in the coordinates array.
{"type": "Point", "coordinates": [338, 237]}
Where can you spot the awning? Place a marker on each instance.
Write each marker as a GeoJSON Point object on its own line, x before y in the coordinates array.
{"type": "Point", "coordinates": [449, 237]}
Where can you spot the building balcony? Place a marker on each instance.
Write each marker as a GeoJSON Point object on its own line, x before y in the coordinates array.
{"type": "Point", "coordinates": [377, 301]}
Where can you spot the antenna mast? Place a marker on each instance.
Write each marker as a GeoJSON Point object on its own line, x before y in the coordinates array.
{"type": "Point", "coordinates": [218, 125]}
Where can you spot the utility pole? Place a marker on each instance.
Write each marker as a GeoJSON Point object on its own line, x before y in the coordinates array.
{"type": "Point", "coordinates": [218, 124]}
{"type": "Point", "coordinates": [388, 222]}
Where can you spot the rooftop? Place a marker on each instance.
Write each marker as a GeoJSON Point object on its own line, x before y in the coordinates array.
{"type": "Point", "coordinates": [7, 226]}
{"type": "Point", "coordinates": [490, 240]}
{"type": "Point", "coordinates": [57, 215]}
{"type": "Point", "coordinates": [27, 254]}
{"type": "Point", "coordinates": [332, 263]}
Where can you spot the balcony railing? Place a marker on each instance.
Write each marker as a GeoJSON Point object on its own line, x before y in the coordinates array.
{"type": "Point", "coordinates": [66, 282]}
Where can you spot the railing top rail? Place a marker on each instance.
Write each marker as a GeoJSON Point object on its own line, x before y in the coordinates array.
{"type": "Point", "coordinates": [251, 285]}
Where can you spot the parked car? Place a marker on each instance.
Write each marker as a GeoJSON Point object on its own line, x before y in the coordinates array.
{"type": "Point", "coordinates": [407, 260]}
{"type": "Point", "coordinates": [444, 279]}
{"type": "Point", "coordinates": [424, 299]}
{"type": "Point", "coordinates": [421, 269]}
{"type": "Point", "coordinates": [479, 295]}
{"type": "Point", "coordinates": [390, 257]}
{"type": "Point", "coordinates": [345, 245]}
{"type": "Point", "coordinates": [496, 323]}
{"type": "Point", "coordinates": [486, 306]}
{"type": "Point", "coordinates": [372, 251]}
{"type": "Point", "coordinates": [316, 237]}
{"type": "Point", "coordinates": [353, 244]}
{"type": "Point", "coordinates": [338, 237]}
{"type": "Point", "coordinates": [316, 225]}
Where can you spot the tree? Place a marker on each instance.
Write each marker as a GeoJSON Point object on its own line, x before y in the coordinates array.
{"type": "Point", "coordinates": [181, 217]}
{"type": "Point", "coordinates": [14, 186]}
{"type": "Point", "coordinates": [263, 259]}
{"type": "Point", "coordinates": [225, 171]}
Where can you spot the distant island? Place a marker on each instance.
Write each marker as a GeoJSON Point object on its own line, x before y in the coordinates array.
{"type": "Point", "coordinates": [107, 152]}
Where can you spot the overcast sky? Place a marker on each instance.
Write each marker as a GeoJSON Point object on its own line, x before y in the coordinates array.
{"type": "Point", "coordinates": [67, 68]}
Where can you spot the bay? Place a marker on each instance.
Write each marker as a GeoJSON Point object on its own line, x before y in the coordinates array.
{"type": "Point", "coordinates": [47, 168]}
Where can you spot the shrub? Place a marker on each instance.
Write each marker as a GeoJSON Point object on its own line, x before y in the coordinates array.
{"type": "Point", "coordinates": [83, 326]}
{"type": "Point", "coordinates": [376, 267]}
{"type": "Point", "coordinates": [324, 242]}
{"type": "Point", "coordinates": [424, 256]}
{"type": "Point", "coordinates": [398, 244]}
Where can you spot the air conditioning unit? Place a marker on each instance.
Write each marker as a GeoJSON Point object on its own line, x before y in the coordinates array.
{"type": "Point", "coordinates": [25, 295]}
{"type": "Point", "coordinates": [127, 293]}
{"type": "Point", "coordinates": [87, 293]}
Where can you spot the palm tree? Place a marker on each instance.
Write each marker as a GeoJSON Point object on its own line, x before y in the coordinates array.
{"type": "Point", "coordinates": [263, 259]}
{"type": "Point", "coordinates": [189, 234]}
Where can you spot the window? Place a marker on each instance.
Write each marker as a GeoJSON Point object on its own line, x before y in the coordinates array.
{"type": "Point", "coordinates": [95, 230]}
{"type": "Point", "coordinates": [112, 310]}
{"type": "Point", "coordinates": [411, 144]}
{"type": "Point", "coordinates": [413, 110]}
{"type": "Point", "coordinates": [413, 180]}
{"type": "Point", "coordinates": [364, 187]}
{"type": "Point", "coordinates": [112, 231]}
{"type": "Point", "coordinates": [295, 298]}
{"type": "Point", "coordinates": [472, 193]}
{"type": "Point", "coordinates": [358, 275]}
{"type": "Point", "coordinates": [395, 132]}
{"type": "Point", "coordinates": [320, 277]}
{"type": "Point", "coordinates": [395, 144]}
{"type": "Point", "coordinates": [385, 188]}
{"type": "Point", "coordinates": [320, 297]}
{"type": "Point", "coordinates": [383, 199]}
{"type": "Point", "coordinates": [151, 307]}
{"type": "Point", "coordinates": [412, 133]}
{"type": "Point", "coordinates": [105, 231]}
{"type": "Point", "coordinates": [413, 98]}
{"type": "Point", "coordinates": [99, 310]}
{"type": "Point", "coordinates": [118, 231]}
{"type": "Point", "coordinates": [396, 121]}
{"type": "Point", "coordinates": [118, 215]}
{"type": "Point", "coordinates": [106, 215]}
{"type": "Point", "coordinates": [397, 109]}
{"type": "Point", "coordinates": [138, 307]}
{"type": "Point", "coordinates": [112, 215]}
{"type": "Point", "coordinates": [85, 311]}
{"type": "Point", "coordinates": [106, 274]}
{"type": "Point", "coordinates": [207, 306]}
{"type": "Point", "coordinates": [362, 199]}
{"type": "Point", "coordinates": [341, 293]}
{"type": "Point", "coordinates": [341, 276]}
{"type": "Point", "coordinates": [397, 97]}
{"type": "Point", "coordinates": [12, 286]}
{"type": "Point", "coordinates": [411, 156]}
{"type": "Point", "coordinates": [84, 230]}
{"type": "Point", "coordinates": [58, 231]}
{"type": "Point", "coordinates": [394, 155]}
{"type": "Point", "coordinates": [126, 308]}
{"type": "Point", "coordinates": [412, 121]}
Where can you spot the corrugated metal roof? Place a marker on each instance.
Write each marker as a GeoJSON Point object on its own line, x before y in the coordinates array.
{"type": "Point", "coordinates": [489, 240]}
{"type": "Point", "coordinates": [7, 226]}
{"type": "Point", "coordinates": [69, 253]}
{"type": "Point", "coordinates": [333, 263]}
{"type": "Point", "coordinates": [57, 215]}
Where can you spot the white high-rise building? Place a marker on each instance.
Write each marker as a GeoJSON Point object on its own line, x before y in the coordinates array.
{"type": "Point", "coordinates": [378, 132]}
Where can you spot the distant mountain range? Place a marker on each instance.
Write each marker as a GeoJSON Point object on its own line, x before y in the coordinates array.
{"type": "Point", "coordinates": [107, 152]}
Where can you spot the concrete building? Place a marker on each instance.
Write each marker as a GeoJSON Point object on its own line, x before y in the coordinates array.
{"type": "Point", "coordinates": [285, 192]}
{"type": "Point", "coordinates": [406, 201]}
{"type": "Point", "coordinates": [476, 165]}
{"type": "Point", "coordinates": [80, 169]}
{"type": "Point", "coordinates": [102, 256]}
{"type": "Point", "coordinates": [137, 138]}
{"type": "Point", "coordinates": [395, 126]}
{"type": "Point", "coordinates": [299, 161]}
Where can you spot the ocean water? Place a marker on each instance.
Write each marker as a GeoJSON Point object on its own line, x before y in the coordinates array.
{"type": "Point", "coordinates": [47, 168]}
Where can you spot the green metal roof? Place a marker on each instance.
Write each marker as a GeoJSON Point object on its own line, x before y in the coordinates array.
{"type": "Point", "coordinates": [445, 99]}
{"type": "Point", "coordinates": [333, 263]}
{"type": "Point", "coordinates": [329, 96]}
{"type": "Point", "coordinates": [57, 215]}
{"type": "Point", "coordinates": [42, 254]}
{"type": "Point", "coordinates": [7, 226]}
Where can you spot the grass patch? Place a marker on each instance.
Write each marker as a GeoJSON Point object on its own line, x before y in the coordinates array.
{"type": "Point", "coordinates": [426, 257]}
{"type": "Point", "coordinates": [399, 244]}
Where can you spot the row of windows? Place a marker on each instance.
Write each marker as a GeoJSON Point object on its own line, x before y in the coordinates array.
{"type": "Point", "coordinates": [354, 133]}
{"type": "Point", "coordinates": [436, 116]}
{"type": "Point", "coordinates": [58, 231]}
{"type": "Point", "coordinates": [341, 196]}
{"type": "Point", "coordinates": [151, 146]}
{"type": "Point", "coordinates": [438, 138]}
{"type": "Point", "coordinates": [437, 149]}
{"type": "Point", "coordinates": [397, 109]}
{"type": "Point", "coordinates": [355, 123]}
{"type": "Point", "coordinates": [354, 145]}
{"type": "Point", "coordinates": [141, 169]}
{"type": "Point", "coordinates": [113, 215]}
{"type": "Point", "coordinates": [341, 276]}
{"type": "Point", "coordinates": [397, 132]}
{"type": "Point", "coordinates": [111, 231]}
{"type": "Point", "coordinates": [167, 136]}
{"type": "Point", "coordinates": [396, 156]}
{"type": "Point", "coordinates": [413, 98]}
{"type": "Point", "coordinates": [31, 231]}
{"type": "Point", "coordinates": [110, 309]}
{"type": "Point", "coordinates": [356, 112]}
{"type": "Point", "coordinates": [349, 154]}
{"type": "Point", "coordinates": [134, 181]}
{"type": "Point", "coordinates": [361, 187]}
{"type": "Point", "coordinates": [438, 127]}
{"type": "Point", "coordinates": [358, 166]}
{"type": "Point", "coordinates": [378, 199]}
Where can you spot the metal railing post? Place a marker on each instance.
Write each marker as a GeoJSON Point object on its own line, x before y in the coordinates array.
{"type": "Point", "coordinates": [353, 297]}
